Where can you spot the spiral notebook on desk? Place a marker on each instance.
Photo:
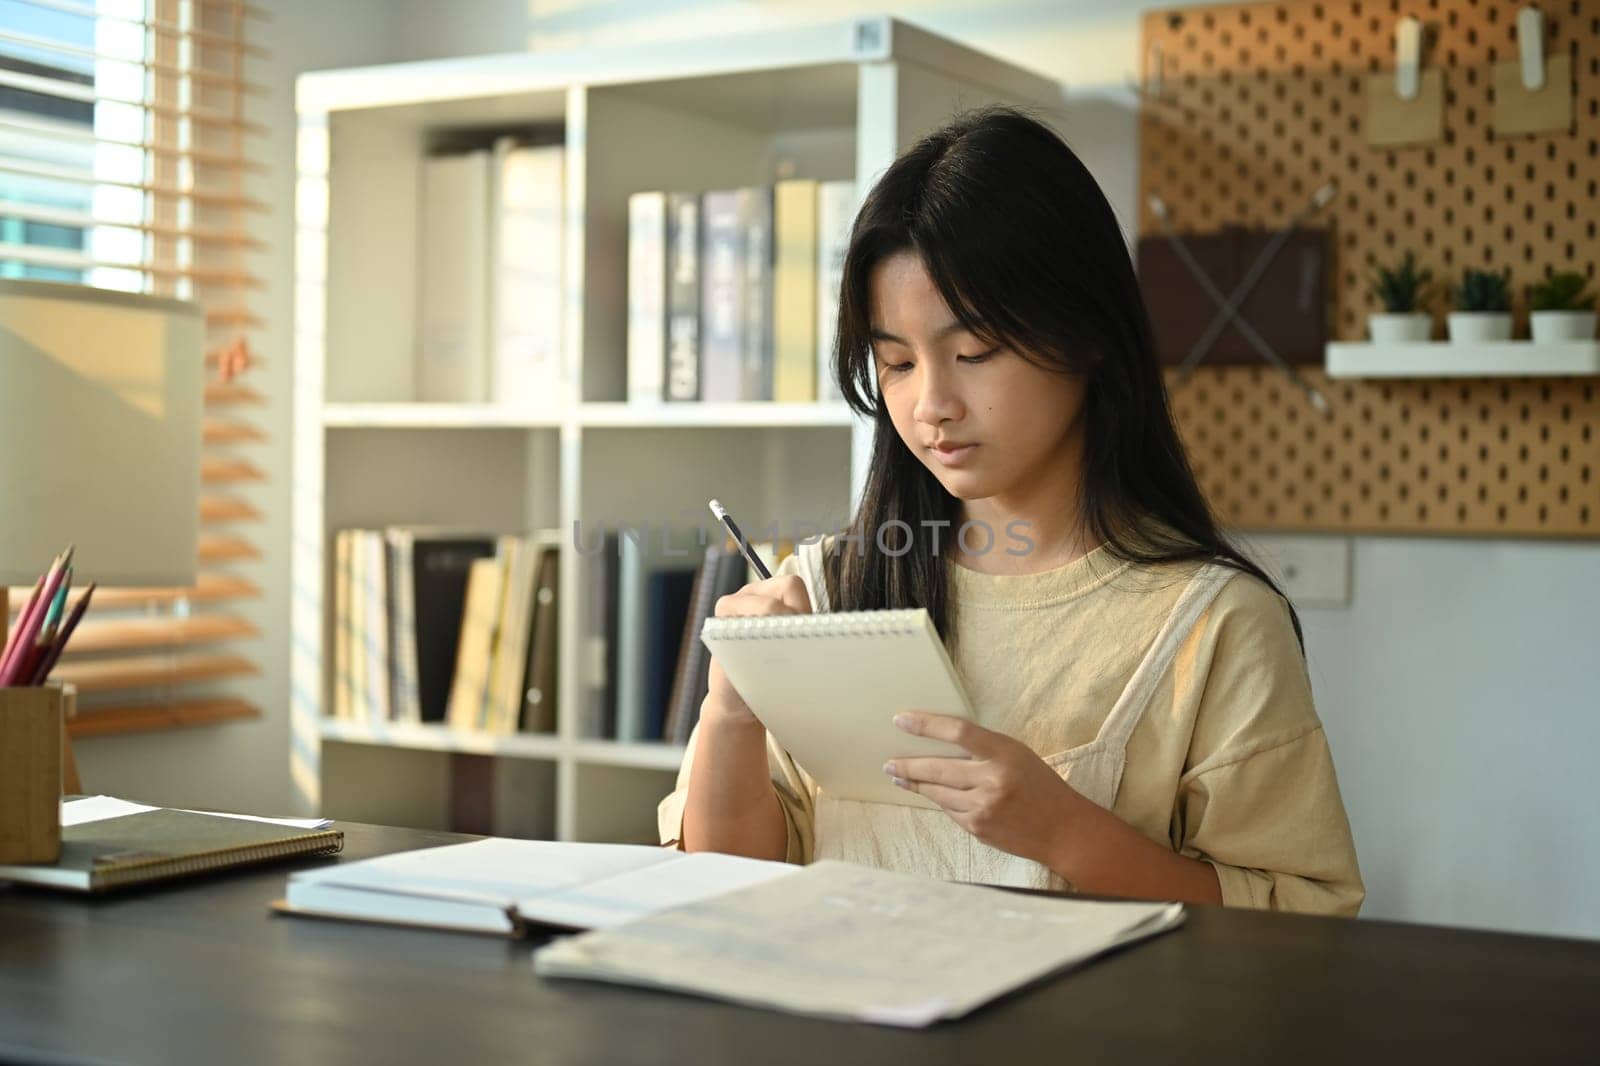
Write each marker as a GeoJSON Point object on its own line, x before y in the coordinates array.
{"type": "Point", "coordinates": [827, 686]}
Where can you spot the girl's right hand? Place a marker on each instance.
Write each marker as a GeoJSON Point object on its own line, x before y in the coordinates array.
{"type": "Point", "coordinates": [773, 596]}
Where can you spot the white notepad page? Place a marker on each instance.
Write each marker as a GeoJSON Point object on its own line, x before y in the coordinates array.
{"type": "Point", "coordinates": [828, 687]}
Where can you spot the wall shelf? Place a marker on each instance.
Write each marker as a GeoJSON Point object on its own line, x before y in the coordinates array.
{"type": "Point", "coordinates": [435, 737]}
{"type": "Point", "coordinates": [1448, 359]}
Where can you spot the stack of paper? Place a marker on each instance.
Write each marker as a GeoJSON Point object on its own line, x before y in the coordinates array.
{"type": "Point", "coordinates": [838, 940]}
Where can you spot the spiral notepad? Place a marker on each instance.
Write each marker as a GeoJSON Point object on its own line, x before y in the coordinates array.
{"type": "Point", "coordinates": [827, 687]}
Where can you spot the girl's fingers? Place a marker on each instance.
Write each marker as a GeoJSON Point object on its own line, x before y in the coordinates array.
{"type": "Point", "coordinates": [959, 731]}
{"type": "Point", "coordinates": [953, 800]}
{"type": "Point", "coordinates": [952, 773]}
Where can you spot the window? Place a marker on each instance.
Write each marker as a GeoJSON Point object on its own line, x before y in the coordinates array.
{"type": "Point", "coordinates": [124, 161]}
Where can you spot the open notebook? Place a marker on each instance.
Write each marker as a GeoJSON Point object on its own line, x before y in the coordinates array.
{"type": "Point", "coordinates": [842, 941]}
{"type": "Point", "coordinates": [498, 885]}
{"type": "Point", "coordinates": [828, 686]}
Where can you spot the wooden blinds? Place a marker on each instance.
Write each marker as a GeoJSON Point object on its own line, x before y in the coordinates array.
{"type": "Point", "coordinates": [125, 158]}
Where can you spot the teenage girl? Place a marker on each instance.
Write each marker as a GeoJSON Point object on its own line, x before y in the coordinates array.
{"type": "Point", "coordinates": [1145, 725]}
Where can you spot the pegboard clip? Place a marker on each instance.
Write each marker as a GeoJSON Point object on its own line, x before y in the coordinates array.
{"type": "Point", "coordinates": [1408, 58]}
{"type": "Point", "coordinates": [1530, 43]}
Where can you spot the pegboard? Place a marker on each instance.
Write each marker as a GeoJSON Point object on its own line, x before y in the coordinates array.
{"type": "Point", "coordinates": [1259, 105]}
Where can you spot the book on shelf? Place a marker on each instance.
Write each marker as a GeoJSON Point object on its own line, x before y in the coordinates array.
{"type": "Point", "coordinates": [722, 572]}
{"type": "Point", "coordinates": [722, 304]}
{"type": "Point", "coordinates": [836, 211]}
{"type": "Point", "coordinates": [647, 297]}
{"type": "Point", "coordinates": [733, 293]}
{"type": "Point", "coordinates": [343, 682]}
{"type": "Point", "coordinates": [685, 336]}
{"type": "Point", "coordinates": [374, 638]}
{"type": "Point", "coordinates": [599, 661]}
{"type": "Point", "coordinates": [755, 216]}
{"type": "Point", "coordinates": [526, 249]}
{"type": "Point", "coordinates": [500, 886]}
{"type": "Point", "coordinates": [539, 698]}
{"type": "Point", "coordinates": [794, 292]}
{"type": "Point", "coordinates": [453, 295]}
{"type": "Point", "coordinates": [645, 553]}
{"type": "Point", "coordinates": [667, 597]}
{"type": "Point", "coordinates": [431, 568]}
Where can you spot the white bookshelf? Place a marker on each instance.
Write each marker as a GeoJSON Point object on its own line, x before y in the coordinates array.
{"type": "Point", "coordinates": [829, 101]}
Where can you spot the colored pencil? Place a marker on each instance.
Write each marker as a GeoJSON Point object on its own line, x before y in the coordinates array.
{"type": "Point", "coordinates": [41, 672]}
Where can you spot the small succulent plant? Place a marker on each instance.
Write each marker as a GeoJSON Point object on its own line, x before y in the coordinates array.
{"type": "Point", "coordinates": [1403, 288]}
{"type": "Point", "coordinates": [1561, 292]}
{"type": "Point", "coordinates": [1483, 290]}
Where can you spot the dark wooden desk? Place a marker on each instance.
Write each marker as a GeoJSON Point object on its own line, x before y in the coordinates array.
{"type": "Point", "coordinates": [202, 973]}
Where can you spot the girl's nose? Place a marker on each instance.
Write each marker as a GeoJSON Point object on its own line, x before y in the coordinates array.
{"type": "Point", "coordinates": [937, 401]}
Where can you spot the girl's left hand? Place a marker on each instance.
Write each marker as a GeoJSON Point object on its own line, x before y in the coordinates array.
{"type": "Point", "coordinates": [1005, 794]}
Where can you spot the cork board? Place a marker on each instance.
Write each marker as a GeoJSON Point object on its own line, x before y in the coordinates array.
{"type": "Point", "coordinates": [1258, 106]}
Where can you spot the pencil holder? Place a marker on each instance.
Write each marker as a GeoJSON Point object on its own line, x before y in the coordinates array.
{"type": "Point", "coordinates": [31, 725]}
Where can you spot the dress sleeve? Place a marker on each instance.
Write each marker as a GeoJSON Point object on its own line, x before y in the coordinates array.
{"type": "Point", "coordinates": [794, 788]}
{"type": "Point", "coordinates": [1259, 799]}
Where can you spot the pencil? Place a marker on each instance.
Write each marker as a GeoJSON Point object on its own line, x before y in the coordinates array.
{"type": "Point", "coordinates": [738, 538]}
{"type": "Point", "coordinates": [41, 672]}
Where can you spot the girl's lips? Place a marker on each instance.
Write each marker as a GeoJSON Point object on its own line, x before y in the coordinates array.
{"type": "Point", "coordinates": [954, 456]}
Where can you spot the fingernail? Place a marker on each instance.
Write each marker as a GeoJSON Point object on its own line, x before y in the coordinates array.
{"type": "Point", "coordinates": [888, 768]}
{"type": "Point", "coordinates": [902, 721]}
{"type": "Point", "coordinates": [899, 782]}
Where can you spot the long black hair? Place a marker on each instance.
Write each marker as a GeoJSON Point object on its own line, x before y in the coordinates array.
{"type": "Point", "coordinates": [1023, 247]}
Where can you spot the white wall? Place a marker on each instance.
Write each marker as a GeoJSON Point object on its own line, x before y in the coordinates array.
{"type": "Point", "coordinates": [244, 765]}
{"type": "Point", "coordinates": [1460, 687]}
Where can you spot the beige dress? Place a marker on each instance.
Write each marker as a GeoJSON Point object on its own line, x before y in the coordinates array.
{"type": "Point", "coordinates": [1174, 696]}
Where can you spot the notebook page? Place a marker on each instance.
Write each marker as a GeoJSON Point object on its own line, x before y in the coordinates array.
{"type": "Point", "coordinates": [838, 940]}
{"type": "Point", "coordinates": [602, 904]}
{"type": "Point", "coordinates": [492, 869]}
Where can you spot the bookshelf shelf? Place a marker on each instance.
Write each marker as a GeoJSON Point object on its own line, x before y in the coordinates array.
{"type": "Point", "coordinates": [646, 756]}
{"type": "Point", "coordinates": [429, 415]}
{"type": "Point", "coordinates": [832, 101]}
{"type": "Point", "coordinates": [754, 415]}
{"type": "Point", "coordinates": [428, 737]}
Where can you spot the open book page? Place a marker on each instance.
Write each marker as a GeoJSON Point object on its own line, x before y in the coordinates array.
{"type": "Point", "coordinates": [602, 904]}
{"type": "Point", "coordinates": [88, 809]}
{"type": "Point", "coordinates": [496, 869]}
{"type": "Point", "coordinates": [852, 942]}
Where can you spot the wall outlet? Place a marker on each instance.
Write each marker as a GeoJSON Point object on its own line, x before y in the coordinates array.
{"type": "Point", "coordinates": [1312, 571]}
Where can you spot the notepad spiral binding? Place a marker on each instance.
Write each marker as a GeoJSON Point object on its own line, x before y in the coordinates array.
{"type": "Point", "coordinates": [165, 867]}
{"type": "Point", "coordinates": [896, 622]}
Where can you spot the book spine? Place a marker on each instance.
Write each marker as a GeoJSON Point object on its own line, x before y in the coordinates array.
{"type": "Point", "coordinates": [756, 215]}
{"type": "Point", "coordinates": [684, 333]}
{"type": "Point", "coordinates": [647, 296]}
{"type": "Point", "coordinates": [722, 299]}
{"type": "Point", "coordinates": [408, 690]}
{"type": "Point", "coordinates": [527, 284]}
{"type": "Point", "coordinates": [453, 301]}
{"type": "Point", "coordinates": [377, 627]}
{"type": "Point", "coordinates": [343, 682]}
{"type": "Point", "coordinates": [794, 300]}
{"type": "Point", "coordinates": [836, 204]}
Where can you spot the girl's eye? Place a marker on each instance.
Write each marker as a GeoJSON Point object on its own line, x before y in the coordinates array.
{"type": "Point", "coordinates": [897, 368]}
{"type": "Point", "coordinates": [981, 357]}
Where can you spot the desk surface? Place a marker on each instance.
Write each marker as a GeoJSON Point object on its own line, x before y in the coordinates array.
{"type": "Point", "coordinates": [203, 973]}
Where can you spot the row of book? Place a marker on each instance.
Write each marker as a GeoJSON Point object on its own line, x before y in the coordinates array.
{"type": "Point", "coordinates": [444, 626]}
{"type": "Point", "coordinates": [490, 274]}
{"type": "Point", "coordinates": [440, 626]}
{"type": "Point", "coordinates": [733, 294]}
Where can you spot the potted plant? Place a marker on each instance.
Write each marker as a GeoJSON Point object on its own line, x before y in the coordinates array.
{"type": "Point", "coordinates": [1401, 290]}
{"type": "Point", "coordinates": [1483, 307]}
{"type": "Point", "coordinates": [1561, 310]}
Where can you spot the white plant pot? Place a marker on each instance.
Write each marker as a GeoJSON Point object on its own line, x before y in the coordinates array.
{"type": "Point", "coordinates": [1476, 327]}
{"type": "Point", "coordinates": [1406, 327]}
{"type": "Point", "coordinates": [1563, 325]}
